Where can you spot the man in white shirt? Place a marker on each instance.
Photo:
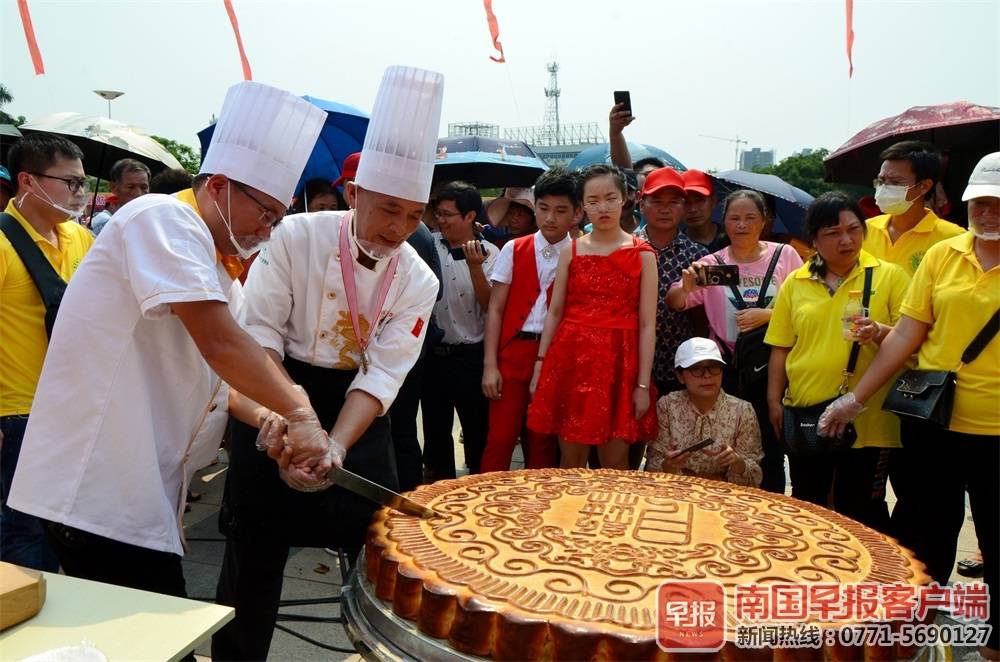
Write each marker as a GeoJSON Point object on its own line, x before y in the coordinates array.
{"type": "Point", "coordinates": [453, 371]}
{"type": "Point", "coordinates": [107, 452]}
{"type": "Point", "coordinates": [519, 301]}
{"type": "Point", "coordinates": [342, 303]}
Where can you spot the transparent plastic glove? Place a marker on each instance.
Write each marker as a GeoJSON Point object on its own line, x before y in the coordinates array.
{"type": "Point", "coordinates": [306, 442]}
{"type": "Point", "coordinates": [841, 411]}
{"type": "Point", "coordinates": [315, 477]}
{"type": "Point", "coordinates": [271, 435]}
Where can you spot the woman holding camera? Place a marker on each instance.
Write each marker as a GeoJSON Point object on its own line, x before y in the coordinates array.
{"type": "Point", "coordinates": [743, 309]}
{"type": "Point", "coordinates": [954, 298]}
{"type": "Point", "coordinates": [811, 349]}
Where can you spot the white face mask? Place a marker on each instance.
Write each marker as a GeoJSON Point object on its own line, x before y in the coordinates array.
{"type": "Point", "coordinates": [370, 249]}
{"type": "Point", "coordinates": [891, 199]}
{"type": "Point", "coordinates": [985, 236]}
{"type": "Point", "coordinates": [244, 253]}
{"type": "Point", "coordinates": [72, 213]}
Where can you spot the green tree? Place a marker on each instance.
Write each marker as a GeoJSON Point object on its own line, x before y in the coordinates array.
{"type": "Point", "coordinates": [188, 157]}
{"type": "Point", "coordinates": [6, 98]}
{"type": "Point", "coordinates": [804, 171]}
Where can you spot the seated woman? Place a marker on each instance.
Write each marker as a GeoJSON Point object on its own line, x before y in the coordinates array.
{"type": "Point", "coordinates": [703, 411]}
{"type": "Point", "coordinates": [810, 354]}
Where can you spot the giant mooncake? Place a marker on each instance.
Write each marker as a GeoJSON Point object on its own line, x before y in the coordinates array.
{"type": "Point", "coordinates": [565, 563]}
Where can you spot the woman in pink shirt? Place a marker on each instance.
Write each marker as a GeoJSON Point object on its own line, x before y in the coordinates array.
{"type": "Point", "coordinates": [745, 214]}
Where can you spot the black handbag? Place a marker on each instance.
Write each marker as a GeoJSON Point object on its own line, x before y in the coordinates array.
{"type": "Point", "coordinates": [50, 285]}
{"type": "Point", "coordinates": [800, 425]}
{"type": "Point", "coordinates": [751, 354]}
{"type": "Point", "coordinates": [928, 395]}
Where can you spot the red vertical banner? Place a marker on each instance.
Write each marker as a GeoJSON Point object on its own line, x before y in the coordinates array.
{"type": "Point", "coordinates": [850, 37]}
{"type": "Point", "coordinates": [29, 36]}
{"type": "Point", "coordinates": [491, 20]}
{"type": "Point", "coordinates": [239, 40]}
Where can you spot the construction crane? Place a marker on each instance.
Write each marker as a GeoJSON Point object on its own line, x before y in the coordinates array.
{"type": "Point", "coordinates": [736, 140]}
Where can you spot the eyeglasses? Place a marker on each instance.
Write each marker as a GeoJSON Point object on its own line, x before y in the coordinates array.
{"type": "Point", "coordinates": [75, 184]}
{"type": "Point", "coordinates": [603, 205]}
{"type": "Point", "coordinates": [440, 214]}
{"type": "Point", "coordinates": [701, 370]}
{"type": "Point", "coordinates": [268, 216]}
{"type": "Point", "coordinates": [878, 181]}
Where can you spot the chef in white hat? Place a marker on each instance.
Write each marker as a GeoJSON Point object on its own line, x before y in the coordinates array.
{"type": "Point", "coordinates": [342, 302]}
{"type": "Point", "coordinates": [130, 375]}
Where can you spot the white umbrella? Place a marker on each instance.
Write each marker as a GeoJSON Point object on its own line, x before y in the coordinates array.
{"type": "Point", "coordinates": [104, 141]}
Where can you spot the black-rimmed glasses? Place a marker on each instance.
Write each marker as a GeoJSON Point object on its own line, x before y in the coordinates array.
{"type": "Point", "coordinates": [75, 184]}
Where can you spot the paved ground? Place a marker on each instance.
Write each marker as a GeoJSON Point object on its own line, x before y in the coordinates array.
{"type": "Point", "coordinates": [315, 574]}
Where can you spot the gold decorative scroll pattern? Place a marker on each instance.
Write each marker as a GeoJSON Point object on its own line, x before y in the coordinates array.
{"type": "Point", "coordinates": [595, 545]}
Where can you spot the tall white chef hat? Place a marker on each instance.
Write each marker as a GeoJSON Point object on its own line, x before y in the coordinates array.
{"type": "Point", "coordinates": [401, 142]}
{"type": "Point", "coordinates": [263, 138]}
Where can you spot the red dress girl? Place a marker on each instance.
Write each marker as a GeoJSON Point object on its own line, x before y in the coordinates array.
{"type": "Point", "coordinates": [585, 391]}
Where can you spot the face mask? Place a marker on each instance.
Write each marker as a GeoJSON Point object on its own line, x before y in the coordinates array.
{"type": "Point", "coordinates": [244, 253]}
{"type": "Point", "coordinates": [74, 214]}
{"type": "Point", "coordinates": [370, 249]}
{"type": "Point", "coordinates": [892, 199]}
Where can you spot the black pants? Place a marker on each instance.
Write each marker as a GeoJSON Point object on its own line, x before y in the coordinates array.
{"type": "Point", "coordinates": [453, 381]}
{"type": "Point", "coordinates": [405, 443]}
{"type": "Point", "coordinates": [857, 478]}
{"type": "Point", "coordinates": [940, 466]}
{"type": "Point", "coordinates": [90, 556]}
{"type": "Point", "coordinates": [262, 517]}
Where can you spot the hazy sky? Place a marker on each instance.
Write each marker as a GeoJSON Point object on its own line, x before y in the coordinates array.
{"type": "Point", "coordinates": [773, 72]}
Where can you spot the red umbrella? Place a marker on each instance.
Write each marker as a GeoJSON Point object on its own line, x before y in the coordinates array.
{"type": "Point", "coordinates": [963, 131]}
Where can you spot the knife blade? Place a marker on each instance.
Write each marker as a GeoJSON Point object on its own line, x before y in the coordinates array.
{"type": "Point", "coordinates": [381, 495]}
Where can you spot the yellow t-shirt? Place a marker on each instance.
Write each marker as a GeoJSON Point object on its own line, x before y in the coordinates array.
{"type": "Point", "coordinates": [952, 294]}
{"type": "Point", "coordinates": [910, 248]}
{"type": "Point", "coordinates": [22, 314]}
{"type": "Point", "coordinates": [807, 318]}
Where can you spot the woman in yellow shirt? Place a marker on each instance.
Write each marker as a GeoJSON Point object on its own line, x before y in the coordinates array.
{"type": "Point", "coordinates": [955, 292]}
{"type": "Point", "coordinates": [809, 354]}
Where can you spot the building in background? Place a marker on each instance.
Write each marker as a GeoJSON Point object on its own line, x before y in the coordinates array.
{"type": "Point", "coordinates": [478, 129]}
{"type": "Point", "coordinates": [756, 158]}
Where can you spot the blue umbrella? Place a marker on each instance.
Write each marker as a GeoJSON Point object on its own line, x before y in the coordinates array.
{"type": "Point", "coordinates": [602, 154]}
{"type": "Point", "coordinates": [487, 162]}
{"type": "Point", "coordinates": [342, 135]}
{"type": "Point", "coordinates": [788, 202]}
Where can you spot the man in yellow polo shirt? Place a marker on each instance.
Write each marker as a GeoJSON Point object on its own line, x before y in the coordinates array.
{"type": "Point", "coordinates": [903, 233]}
{"type": "Point", "coordinates": [50, 189]}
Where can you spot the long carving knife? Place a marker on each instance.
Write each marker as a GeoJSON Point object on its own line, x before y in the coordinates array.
{"type": "Point", "coordinates": [381, 495]}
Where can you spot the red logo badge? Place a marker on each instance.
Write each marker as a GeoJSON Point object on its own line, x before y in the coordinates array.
{"type": "Point", "coordinates": [417, 328]}
{"type": "Point", "coordinates": [691, 617]}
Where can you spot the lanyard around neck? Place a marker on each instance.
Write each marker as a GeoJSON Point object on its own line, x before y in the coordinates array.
{"type": "Point", "coordinates": [351, 288]}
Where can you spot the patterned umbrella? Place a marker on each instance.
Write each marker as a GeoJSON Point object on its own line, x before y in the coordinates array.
{"type": "Point", "coordinates": [964, 131]}
{"type": "Point", "coordinates": [487, 162]}
{"type": "Point", "coordinates": [104, 141]}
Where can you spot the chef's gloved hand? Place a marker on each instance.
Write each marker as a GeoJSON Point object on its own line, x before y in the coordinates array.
{"type": "Point", "coordinates": [314, 477]}
{"type": "Point", "coordinates": [838, 414]}
{"type": "Point", "coordinates": [271, 432]}
{"type": "Point", "coordinates": [306, 442]}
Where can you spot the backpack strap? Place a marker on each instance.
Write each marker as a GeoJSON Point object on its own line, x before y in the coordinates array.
{"type": "Point", "coordinates": [49, 284]}
{"type": "Point", "coordinates": [768, 275]}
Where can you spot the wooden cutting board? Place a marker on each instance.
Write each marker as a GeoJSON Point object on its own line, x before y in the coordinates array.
{"type": "Point", "coordinates": [22, 594]}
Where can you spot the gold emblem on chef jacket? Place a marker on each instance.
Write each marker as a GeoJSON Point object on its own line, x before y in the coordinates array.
{"type": "Point", "coordinates": [343, 339]}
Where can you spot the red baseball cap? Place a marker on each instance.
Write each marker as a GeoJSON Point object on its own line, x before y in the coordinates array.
{"type": "Point", "coordinates": [350, 169]}
{"type": "Point", "coordinates": [662, 178]}
{"type": "Point", "coordinates": [697, 181]}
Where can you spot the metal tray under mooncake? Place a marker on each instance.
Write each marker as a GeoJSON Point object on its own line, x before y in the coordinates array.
{"type": "Point", "coordinates": [379, 634]}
